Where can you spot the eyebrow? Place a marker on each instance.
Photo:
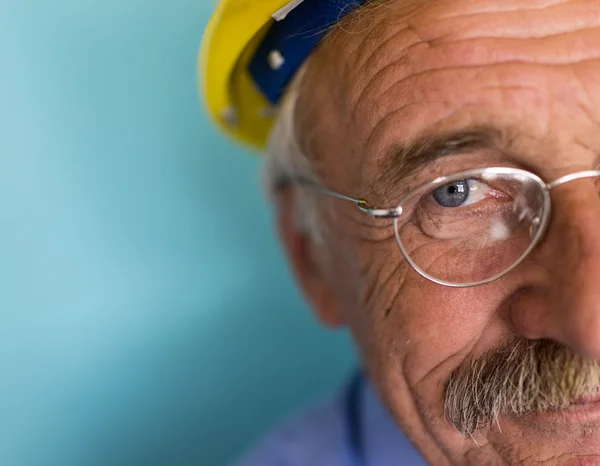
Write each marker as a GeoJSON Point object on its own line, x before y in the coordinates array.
{"type": "Point", "coordinates": [404, 159]}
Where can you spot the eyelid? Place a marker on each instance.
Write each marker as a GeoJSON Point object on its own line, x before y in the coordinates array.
{"type": "Point", "coordinates": [443, 167]}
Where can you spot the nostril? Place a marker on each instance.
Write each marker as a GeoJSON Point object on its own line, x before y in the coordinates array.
{"type": "Point", "coordinates": [528, 314]}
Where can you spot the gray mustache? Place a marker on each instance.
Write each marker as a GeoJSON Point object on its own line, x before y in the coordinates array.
{"type": "Point", "coordinates": [520, 377]}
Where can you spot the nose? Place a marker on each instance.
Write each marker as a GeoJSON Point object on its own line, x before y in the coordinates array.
{"type": "Point", "coordinates": [563, 301]}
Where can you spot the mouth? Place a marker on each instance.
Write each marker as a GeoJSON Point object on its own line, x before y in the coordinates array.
{"type": "Point", "coordinates": [585, 410]}
{"type": "Point", "coordinates": [589, 398]}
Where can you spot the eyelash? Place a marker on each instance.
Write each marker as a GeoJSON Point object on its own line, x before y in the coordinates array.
{"type": "Point", "coordinates": [447, 166]}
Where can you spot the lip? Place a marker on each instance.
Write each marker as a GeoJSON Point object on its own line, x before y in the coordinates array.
{"type": "Point", "coordinates": [586, 410]}
{"type": "Point", "coordinates": [588, 399]}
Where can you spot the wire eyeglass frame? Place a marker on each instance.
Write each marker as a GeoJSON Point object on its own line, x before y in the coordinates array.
{"type": "Point", "coordinates": [395, 214]}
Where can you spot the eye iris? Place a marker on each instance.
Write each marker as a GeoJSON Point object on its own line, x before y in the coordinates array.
{"type": "Point", "coordinates": [452, 194]}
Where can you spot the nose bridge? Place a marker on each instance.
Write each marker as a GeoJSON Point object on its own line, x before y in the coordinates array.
{"type": "Point", "coordinates": [574, 237]}
{"type": "Point", "coordinates": [575, 222]}
{"type": "Point", "coordinates": [575, 226]}
{"type": "Point", "coordinates": [571, 255]}
{"type": "Point", "coordinates": [575, 213]}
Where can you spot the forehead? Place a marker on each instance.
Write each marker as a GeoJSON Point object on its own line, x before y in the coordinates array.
{"type": "Point", "coordinates": [408, 68]}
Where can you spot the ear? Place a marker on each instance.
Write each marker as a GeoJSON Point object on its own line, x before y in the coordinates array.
{"type": "Point", "coordinates": [303, 255]}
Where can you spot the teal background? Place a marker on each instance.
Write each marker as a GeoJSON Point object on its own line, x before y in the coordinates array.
{"type": "Point", "coordinates": [147, 316]}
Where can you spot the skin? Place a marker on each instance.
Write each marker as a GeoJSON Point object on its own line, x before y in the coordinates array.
{"type": "Point", "coordinates": [400, 69]}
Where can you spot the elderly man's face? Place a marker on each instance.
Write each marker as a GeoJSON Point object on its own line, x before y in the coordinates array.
{"type": "Point", "coordinates": [523, 76]}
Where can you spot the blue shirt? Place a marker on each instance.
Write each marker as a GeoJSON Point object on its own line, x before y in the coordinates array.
{"type": "Point", "coordinates": [318, 437]}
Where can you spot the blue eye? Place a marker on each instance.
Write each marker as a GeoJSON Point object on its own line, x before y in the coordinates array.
{"type": "Point", "coordinates": [453, 194]}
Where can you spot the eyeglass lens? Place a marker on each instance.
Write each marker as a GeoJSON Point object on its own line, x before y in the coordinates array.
{"type": "Point", "coordinates": [467, 230]}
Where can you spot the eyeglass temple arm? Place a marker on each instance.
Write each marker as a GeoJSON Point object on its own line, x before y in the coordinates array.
{"type": "Point", "coordinates": [362, 204]}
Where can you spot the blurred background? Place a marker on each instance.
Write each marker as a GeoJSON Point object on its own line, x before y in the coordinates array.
{"type": "Point", "coordinates": [141, 323]}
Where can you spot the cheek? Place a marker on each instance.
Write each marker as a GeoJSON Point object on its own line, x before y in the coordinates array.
{"type": "Point", "coordinates": [419, 332]}
{"type": "Point", "coordinates": [428, 333]}
{"type": "Point", "coordinates": [404, 323]}
{"type": "Point", "coordinates": [444, 326]}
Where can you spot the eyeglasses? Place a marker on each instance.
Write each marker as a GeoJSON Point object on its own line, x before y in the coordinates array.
{"type": "Point", "coordinates": [472, 227]}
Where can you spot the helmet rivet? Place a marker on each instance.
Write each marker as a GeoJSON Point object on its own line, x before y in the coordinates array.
{"type": "Point", "coordinates": [275, 60]}
{"type": "Point", "coordinates": [229, 116]}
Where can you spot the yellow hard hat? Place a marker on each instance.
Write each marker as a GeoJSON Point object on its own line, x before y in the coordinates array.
{"type": "Point", "coordinates": [249, 53]}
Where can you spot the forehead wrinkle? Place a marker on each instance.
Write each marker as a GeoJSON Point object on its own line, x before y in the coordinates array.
{"type": "Point", "coordinates": [355, 51]}
{"type": "Point", "coordinates": [368, 86]}
{"type": "Point", "coordinates": [340, 83]}
{"type": "Point", "coordinates": [382, 31]}
{"type": "Point", "coordinates": [481, 86]}
{"type": "Point", "coordinates": [500, 85]}
{"type": "Point", "coordinates": [372, 58]}
{"type": "Point", "coordinates": [523, 22]}
{"type": "Point", "coordinates": [471, 53]}
{"type": "Point", "coordinates": [563, 49]}
{"type": "Point", "coordinates": [587, 103]}
{"type": "Point", "coordinates": [326, 83]}
{"type": "Point", "coordinates": [349, 48]}
{"type": "Point", "coordinates": [491, 6]}
{"type": "Point", "coordinates": [428, 29]}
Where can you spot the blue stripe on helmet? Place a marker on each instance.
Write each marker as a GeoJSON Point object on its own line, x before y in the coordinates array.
{"type": "Point", "coordinates": [289, 41]}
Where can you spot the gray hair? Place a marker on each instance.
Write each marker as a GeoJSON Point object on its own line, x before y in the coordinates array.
{"type": "Point", "coordinates": [520, 377]}
{"type": "Point", "coordinates": [285, 159]}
